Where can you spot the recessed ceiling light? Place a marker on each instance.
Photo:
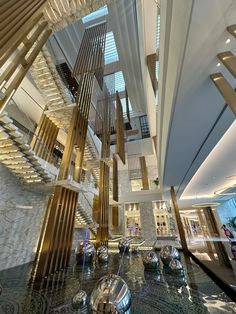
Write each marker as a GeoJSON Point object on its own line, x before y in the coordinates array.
{"type": "Point", "coordinates": [228, 41]}
{"type": "Point", "coordinates": [218, 64]}
{"type": "Point", "coordinates": [202, 205]}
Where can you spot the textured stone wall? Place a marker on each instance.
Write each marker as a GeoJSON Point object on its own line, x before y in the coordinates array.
{"type": "Point", "coordinates": [21, 218]}
{"type": "Point", "coordinates": [147, 221]}
{"type": "Point", "coordinates": [79, 235]}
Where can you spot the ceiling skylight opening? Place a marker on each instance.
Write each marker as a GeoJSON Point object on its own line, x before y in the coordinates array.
{"type": "Point", "coordinates": [103, 11]}
{"type": "Point", "coordinates": [123, 103]}
{"type": "Point", "coordinates": [158, 29]}
{"type": "Point", "coordinates": [119, 82]}
{"type": "Point", "coordinates": [111, 54]}
{"type": "Point", "coordinates": [115, 82]}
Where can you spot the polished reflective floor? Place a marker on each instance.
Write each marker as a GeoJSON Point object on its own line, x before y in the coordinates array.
{"type": "Point", "coordinates": [151, 292]}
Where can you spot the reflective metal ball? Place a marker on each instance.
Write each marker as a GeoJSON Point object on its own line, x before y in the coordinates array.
{"type": "Point", "coordinates": [102, 249]}
{"type": "Point", "coordinates": [176, 266]}
{"type": "Point", "coordinates": [85, 250]}
{"type": "Point", "coordinates": [124, 245]}
{"type": "Point", "coordinates": [103, 257]}
{"type": "Point", "coordinates": [110, 295]}
{"type": "Point", "coordinates": [80, 300]}
{"type": "Point", "coordinates": [151, 261]}
{"type": "Point", "coordinates": [168, 253]}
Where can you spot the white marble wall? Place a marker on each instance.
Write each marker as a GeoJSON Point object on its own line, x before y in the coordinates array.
{"type": "Point", "coordinates": [21, 218]}
{"type": "Point", "coordinates": [147, 221]}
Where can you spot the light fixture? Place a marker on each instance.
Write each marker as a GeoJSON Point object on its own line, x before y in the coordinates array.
{"type": "Point", "coordinates": [228, 41]}
{"type": "Point", "coordinates": [201, 205]}
{"type": "Point", "coordinates": [222, 193]}
{"type": "Point", "coordinates": [218, 64]}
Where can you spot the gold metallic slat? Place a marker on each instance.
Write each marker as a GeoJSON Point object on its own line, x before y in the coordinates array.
{"type": "Point", "coordinates": [115, 216]}
{"type": "Point", "coordinates": [63, 258]}
{"type": "Point", "coordinates": [229, 61]}
{"type": "Point", "coordinates": [14, 15]}
{"type": "Point", "coordinates": [71, 227]}
{"type": "Point", "coordinates": [115, 179]}
{"type": "Point", "coordinates": [227, 92]}
{"type": "Point", "coordinates": [179, 221]}
{"type": "Point", "coordinates": [92, 44]}
{"type": "Point", "coordinates": [151, 64]}
{"type": "Point", "coordinates": [21, 74]}
{"type": "Point", "coordinates": [120, 143]}
{"type": "Point", "coordinates": [16, 61]}
{"type": "Point", "coordinates": [144, 173]}
{"type": "Point", "coordinates": [55, 241]}
{"type": "Point", "coordinates": [42, 266]}
{"type": "Point", "coordinates": [15, 41]}
{"type": "Point", "coordinates": [232, 30]}
{"type": "Point", "coordinates": [96, 208]}
{"type": "Point", "coordinates": [62, 238]}
{"type": "Point", "coordinates": [8, 32]}
{"type": "Point", "coordinates": [67, 155]}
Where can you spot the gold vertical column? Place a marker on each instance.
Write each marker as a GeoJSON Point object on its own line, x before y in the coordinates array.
{"type": "Point", "coordinates": [179, 221]}
{"type": "Point", "coordinates": [212, 227]}
{"type": "Point", "coordinates": [144, 173]}
{"type": "Point", "coordinates": [115, 216]}
{"type": "Point", "coordinates": [103, 229]}
{"type": "Point", "coordinates": [120, 143]}
{"type": "Point", "coordinates": [115, 189]}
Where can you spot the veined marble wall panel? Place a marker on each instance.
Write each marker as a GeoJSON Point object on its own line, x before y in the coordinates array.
{"type": "Point", "coordinates": [21, 218]}
{"type": "Point", "coordinates": [79, 235]}
{"type": "Point", "coordinates": [147, 221]}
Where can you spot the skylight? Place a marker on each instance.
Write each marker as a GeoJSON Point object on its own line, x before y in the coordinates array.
{"type": "Point", "coordinates": [95, 15]}
{"type": "Point", "coordinates": [111, 54]}
{"type": "Point", "coordinates": [123, 103]}
{"type": "Point", "coordinates": [119, 82]}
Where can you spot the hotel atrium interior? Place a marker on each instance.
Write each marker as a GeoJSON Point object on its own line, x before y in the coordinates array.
{"type": "Point", "coordinates": [117, 156]}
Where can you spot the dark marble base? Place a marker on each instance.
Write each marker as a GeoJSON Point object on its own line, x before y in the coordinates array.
{"type": "Point", "coordinates": [151, 292]}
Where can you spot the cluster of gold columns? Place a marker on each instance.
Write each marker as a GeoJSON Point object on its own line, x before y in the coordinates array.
{"type": "Point", "coordinates": [44, 138]}
{"type": "Point", "coordinates": [60, 224]}
{"type": "Point", "coordinates": [23, 34]}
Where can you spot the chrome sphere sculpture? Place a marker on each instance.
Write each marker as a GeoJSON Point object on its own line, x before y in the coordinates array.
{"type": "Point", "coordinates": [110, 295]}
{"type": "Point", "coordinates": [124, 245]}
{"type": "Point", "coordinates": [102, 249]}
{"type": "Point", "coordinates": [80, 300]}
{"type": "Point", "coordinates": [85, 250]}
{"type": "Point", "coordinates": [103, 257]}
{"type": "Point", "coordinates": [151, 261]}
{"type": "Point", "coordinates": [168, 253]}
{"type": "Point", "coordinates": [176, 267]}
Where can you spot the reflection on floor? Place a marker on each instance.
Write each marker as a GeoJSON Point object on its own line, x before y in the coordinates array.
{"type": "Point", "coordinates": [151, 292]}
{"type": "Point", "coordinates": [199, 246]}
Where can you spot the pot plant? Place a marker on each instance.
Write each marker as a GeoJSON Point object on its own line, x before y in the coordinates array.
{"type": "Point", "coordinates": [156, 181]}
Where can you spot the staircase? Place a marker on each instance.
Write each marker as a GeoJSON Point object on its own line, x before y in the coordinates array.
{"type": "Point", "coordinates": [84, 218]}
{"type": "Point", "coordinates": [17, 155]}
